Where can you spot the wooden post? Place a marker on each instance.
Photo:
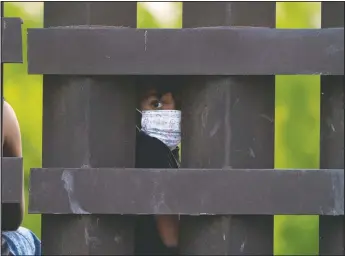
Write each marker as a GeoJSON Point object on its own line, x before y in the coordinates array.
{"type": "Point", "coordinates": [88, 122]}
{"type": "Point", "coordinates": [228, 122]}
{"type": "Point", "coordinates": [331, 228]}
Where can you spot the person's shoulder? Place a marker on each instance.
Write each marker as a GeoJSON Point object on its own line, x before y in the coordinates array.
{"type": "Point", "coordinates": [11, 142]}
{"type": "Point", "coordinates": [10, 119]}
{"type": "Point", "coordinates": [151, 152]}
{"type": "Point", "coordinates": [8, 109]}
{"type": "Point", "coordinates": [150, 147]}
{"type": "Point", "coordinates": [147, 142]}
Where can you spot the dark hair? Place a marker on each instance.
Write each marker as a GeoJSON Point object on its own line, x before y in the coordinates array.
{"type": "Point", "coordinates": [161, 84]}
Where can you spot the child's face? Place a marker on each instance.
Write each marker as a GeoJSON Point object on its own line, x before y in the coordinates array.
{"type": "Point", "coordinates": [151, 101]}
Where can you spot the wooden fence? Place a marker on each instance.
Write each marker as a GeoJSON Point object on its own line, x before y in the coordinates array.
{"type": "Point", "coordinates": [92, 56]}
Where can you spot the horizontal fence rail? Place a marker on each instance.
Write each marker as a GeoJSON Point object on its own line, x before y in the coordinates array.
{"type": "Point", "coordinates": [191, 51]}
{"type": "Point", "coordinates": [11, 40]}
{"type": "Point", "coordinates": [12, 180]}
{"type": "Point", "coordinates": [186, 191]}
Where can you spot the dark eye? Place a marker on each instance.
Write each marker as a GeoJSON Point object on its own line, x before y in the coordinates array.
{"type": "Point", "coordinates": [156, 104]}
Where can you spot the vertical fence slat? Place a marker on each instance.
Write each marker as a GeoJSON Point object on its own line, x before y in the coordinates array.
{"type": "Point", "coordinates": [331, 228]}
{"type": "Point", "coordinates": [228, 121]}
{"type": "Point", "coordinates": [88, 122]}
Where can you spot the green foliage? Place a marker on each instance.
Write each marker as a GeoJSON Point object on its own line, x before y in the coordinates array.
{"type": "Point", "coordinates": [297, 115]}
{"type": "Point", "coordinates": [297, 132]}
{"type": "Point", "coordinates": [145, 19]}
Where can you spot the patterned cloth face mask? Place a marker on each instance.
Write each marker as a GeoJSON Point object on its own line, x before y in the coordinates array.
{"type": "Point", "coordinates": [164, 125]}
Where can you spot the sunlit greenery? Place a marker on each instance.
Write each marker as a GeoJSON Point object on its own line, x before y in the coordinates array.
{"type": "Point", "coordinates": [297, 114]}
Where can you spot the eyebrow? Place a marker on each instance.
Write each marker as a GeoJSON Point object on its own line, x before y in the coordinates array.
{"type": "Point", "coordinates": [155, 93]}
{"type": "Point", "coordinates": [152, 94]}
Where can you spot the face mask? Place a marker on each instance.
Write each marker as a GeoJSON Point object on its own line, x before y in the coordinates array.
{"type": "Point", "coordinates": [164, 125]}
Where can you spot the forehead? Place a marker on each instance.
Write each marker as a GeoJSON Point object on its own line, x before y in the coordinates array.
{"type": "Point", "coordinates": [150, 92]}
{"type": "Point", "coordinates": [156, 92]}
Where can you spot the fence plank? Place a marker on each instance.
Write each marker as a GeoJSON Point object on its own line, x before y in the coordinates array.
{"type": "Point", "coordinates": [197, 51]}
{"type": "Point", "coordinates": [11, 40]}
{"type": "Point", "coordinates": [332, 135]}
{"type": "Point", "coordinates": [12, 176]}
{"type": "Point", "coordinates": [88, 122]}
{"type": "Point", "coordinates": [186, 191]}
{"type": "Point", "coordinates": [11, 192]}
{"type": "Point", "coordinates": [228, 121]}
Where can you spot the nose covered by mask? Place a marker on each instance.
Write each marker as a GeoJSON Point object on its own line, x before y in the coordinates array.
{"type": "Point", "coordinates": [164, 125]}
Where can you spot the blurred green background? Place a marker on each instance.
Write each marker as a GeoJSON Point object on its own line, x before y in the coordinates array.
{"type": "Point", "coordinates": [297, 109]}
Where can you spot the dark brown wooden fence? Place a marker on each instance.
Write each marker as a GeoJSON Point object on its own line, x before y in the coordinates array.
{"type": "Point", "coordinates": [91, 56]}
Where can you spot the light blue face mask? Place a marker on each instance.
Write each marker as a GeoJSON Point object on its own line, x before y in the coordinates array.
{"type": "Point", "coordinates": [164, 125]}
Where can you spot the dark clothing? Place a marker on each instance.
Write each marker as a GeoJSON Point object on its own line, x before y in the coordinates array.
{"type": "Point", "coordinates": [152, 153]}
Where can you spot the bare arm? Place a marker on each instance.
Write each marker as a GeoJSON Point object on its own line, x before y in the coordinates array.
{"type": "Point", "coordinates": [168, 227]}
{"type": "Point", "coordinates": [12, 147]}
{"type": "Point", "coordinates": [11, 132]}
